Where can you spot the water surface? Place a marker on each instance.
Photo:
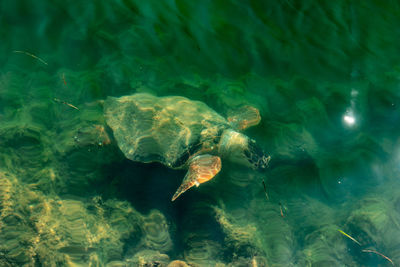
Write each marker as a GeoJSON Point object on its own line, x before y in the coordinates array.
{"type": "Point", "coordinates": [325, 78]}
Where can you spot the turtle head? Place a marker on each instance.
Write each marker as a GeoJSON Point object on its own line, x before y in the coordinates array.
{"type": "Point", "coordinates": [243, 150]}
{"type": "Point", "coordinates": [256, 156]}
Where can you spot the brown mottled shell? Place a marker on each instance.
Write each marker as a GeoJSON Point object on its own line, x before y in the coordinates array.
{"type": "Point", "coordinates": [164, 129]}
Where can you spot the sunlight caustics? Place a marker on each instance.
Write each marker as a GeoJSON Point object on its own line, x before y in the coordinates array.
{"type": "Point", "coordinates": [87, 172]}
{"type": "Point", "coordinates": [349, 119]}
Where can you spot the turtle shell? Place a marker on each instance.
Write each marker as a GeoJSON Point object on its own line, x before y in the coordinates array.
{"type": "Point", "coordinates": [165, 129]}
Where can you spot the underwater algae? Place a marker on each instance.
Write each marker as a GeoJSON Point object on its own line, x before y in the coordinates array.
{"type": "Point", "coordinates": [324, 77]}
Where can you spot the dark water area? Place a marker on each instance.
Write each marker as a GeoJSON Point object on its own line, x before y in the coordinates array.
{"type": "Point", "coordinates": [325, 77]}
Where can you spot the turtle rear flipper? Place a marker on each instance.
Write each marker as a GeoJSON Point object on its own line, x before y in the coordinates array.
{"type": "Point", "coordinates": [244, 117]}
{"type": "Point", "coordinates": [201, 169]}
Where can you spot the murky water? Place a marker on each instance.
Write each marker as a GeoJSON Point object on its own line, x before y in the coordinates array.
{"type": "Point", "coordinates": [325, 78]}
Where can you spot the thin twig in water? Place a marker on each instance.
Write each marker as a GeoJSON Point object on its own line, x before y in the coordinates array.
{"type": "Point", "coordinates": [265, 190]}
{"type": "Point", "coordinates": [31, 55]}
{"type": "Point", "coordinates": [65, 103]}
{"type": "Point", "coordinates": [378, 253]}
{"type": "Point", "coordinates": [352, 238]}
{"type": "Point", "coordinates": [281, 210]}
{"type": "Point", "coordinates": [63, 79]}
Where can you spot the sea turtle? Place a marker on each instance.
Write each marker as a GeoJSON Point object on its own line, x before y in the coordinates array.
{"type": "Point", "coordinates": [182, 133]}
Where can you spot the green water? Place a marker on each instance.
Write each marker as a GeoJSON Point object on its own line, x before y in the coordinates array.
{"type": "Point", "coordinates": [325, 76]}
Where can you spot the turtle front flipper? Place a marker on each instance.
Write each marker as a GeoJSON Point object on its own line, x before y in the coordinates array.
{"type": "Point", "coordinates": [244, 118]}
{"type": "Point", "coordinates": [201, 169]}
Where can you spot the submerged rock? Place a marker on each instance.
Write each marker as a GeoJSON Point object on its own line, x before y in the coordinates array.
{"type": "Point", "coordinates": [203, 252]}
{"type": "Point", "coordinates": [149, 258]}
{"type": "Point", "coordinates": [36, 229]}
{"type": "Point", "coordinates": [325, 247]}
{"type": "Point", "coordinates": [177, 263]}
{"type": "Point", "coordinates": [155, 232]}
{"type": "Point", "coordinates": [241, 238]}
{"type": "Point", "coordinates": [375, 225]}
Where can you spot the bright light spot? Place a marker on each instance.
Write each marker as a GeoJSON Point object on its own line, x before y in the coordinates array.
{"type": "Point", "coordinates": [354, 92]}
{"type": "Point", "coordinates": [349, 120]}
